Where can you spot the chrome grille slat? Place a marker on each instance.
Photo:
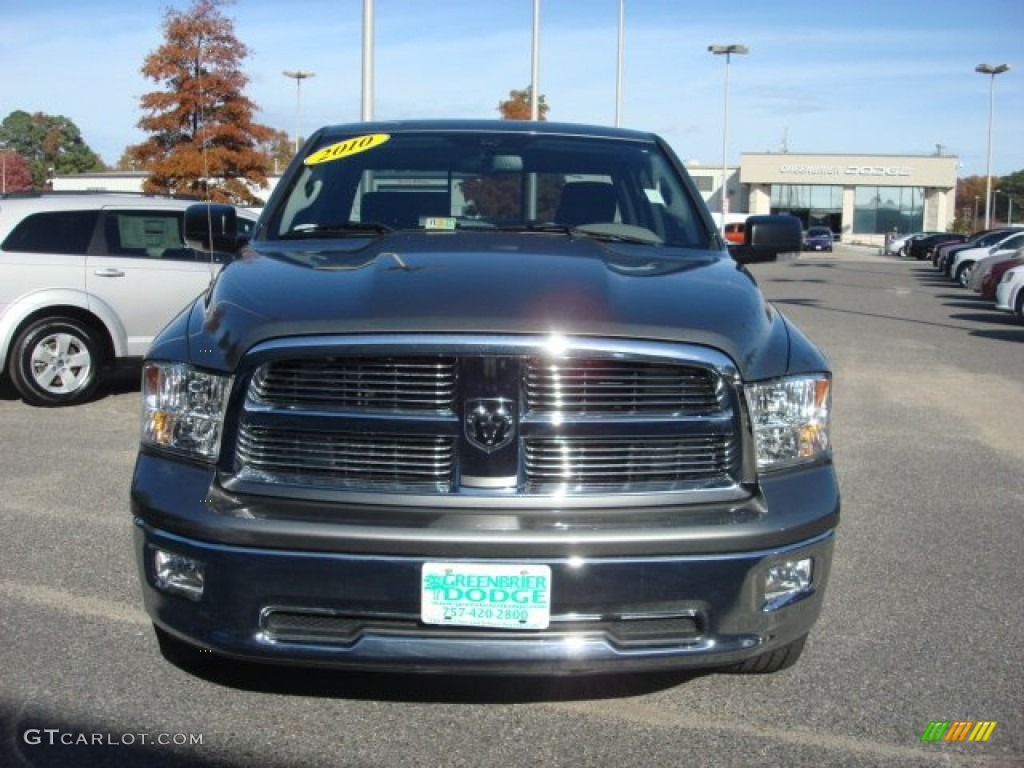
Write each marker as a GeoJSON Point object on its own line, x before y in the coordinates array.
{"type": "Point", "coordinates": [387, 384]}
{"type": "Point", "coordinates": [620, 387]}
{"type": "Point", "coordinates": [335, 458]}
{"type": "Point", "coordinates": [595, 462]}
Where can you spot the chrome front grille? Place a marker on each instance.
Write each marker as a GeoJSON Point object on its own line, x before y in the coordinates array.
{"type": "Point", "coordinates": [642, 463]}
{"type": "Point", "coordinates": [385, 384]}
{"type": "Point", "coordinates": [591, 386]}
{"type": "Point", "coordinates": [340, 460]}
{"type": "Point", "coordinates": [412, 415]}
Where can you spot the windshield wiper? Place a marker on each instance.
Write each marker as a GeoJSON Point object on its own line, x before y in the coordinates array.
{"type": "Point", "coordinates": [356, 228]}
{"type": "Point", "coordinates": [605, 231]}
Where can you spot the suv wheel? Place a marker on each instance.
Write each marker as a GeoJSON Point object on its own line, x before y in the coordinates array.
{"type": "Point", "coordinates": [56, 361]}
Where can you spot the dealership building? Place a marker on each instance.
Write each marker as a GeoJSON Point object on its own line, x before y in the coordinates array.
{"type": "Point", "coordinates": [862, 198]}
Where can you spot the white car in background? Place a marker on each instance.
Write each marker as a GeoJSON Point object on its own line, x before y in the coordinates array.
{"type": "Point", "coordinates": [1010, 292]}
{"type": "Point", "coordinates": [964, 261]}
{"type": "Point", "coordinates": [87, 280]}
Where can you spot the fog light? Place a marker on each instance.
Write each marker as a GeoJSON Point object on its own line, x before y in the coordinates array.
{"type": "Point", "coordinates": [785, 581]}
{"type": "Point", "coordinates": [178, 575]}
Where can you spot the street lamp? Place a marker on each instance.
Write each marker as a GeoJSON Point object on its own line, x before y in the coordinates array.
{"type": "Point", "coordinates": [991, 71]}
{"type": "Point", "coordinates": [727, 51]}
{"type": "Point", "coordinates": [298, 76]}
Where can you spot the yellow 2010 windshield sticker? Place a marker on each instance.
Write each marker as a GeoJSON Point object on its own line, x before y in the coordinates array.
{"type": "Point", "coordinates": [347, 148]}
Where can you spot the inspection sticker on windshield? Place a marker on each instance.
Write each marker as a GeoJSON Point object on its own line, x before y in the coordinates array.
{"type": "Point", "coordinates": [486, 595]}
{"type": "Point", "coordinates": [347, 148]}
{"type": "Point", "coordinates": [444, 223]}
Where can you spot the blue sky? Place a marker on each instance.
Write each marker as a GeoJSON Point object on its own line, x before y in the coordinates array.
{"type": "Point", "coordinates": [864, 76]}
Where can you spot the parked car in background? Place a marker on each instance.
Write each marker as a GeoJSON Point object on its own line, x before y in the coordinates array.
{"type": "Point", "coordinates": [962, 262]}
{"type": "Point", "coordinates": [733, 231]}
{"type": "Point", "coordinates": [1007, 249]}
{"type": "Point", "coordinates": [984, 238]}
{"type": "Point", "coordinates": [922, 247]}
{"type": "Point", "coordinates": [900, 245]}
{"type": "Point", "coordinates": [818, 239]}
{"type": "Point", "coordinates": [1010, 292]}
{"type": "Point", "coordinates": [87, 280]}
{"type": "Point", "coordinates": [994, 276]}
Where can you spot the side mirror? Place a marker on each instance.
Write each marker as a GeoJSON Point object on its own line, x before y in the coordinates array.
{"type": "Point", "coordinates": [212, 227]}
{"type": "Point", "coordinates": [765, 237]}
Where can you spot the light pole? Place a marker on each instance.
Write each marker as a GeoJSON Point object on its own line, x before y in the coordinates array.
{"type": "Point", "coordinates": [366, 103]}
{"type": "Point", "coordinates": [535, 64]}
{"type": "Point", "coordinates": [618, 64]}
{"type": "Point", "coordinates": [727, 51]}
{"type": "Point", "coordinates": [298, 76]}
{"type": "Point", "coordinates": [991, 71]}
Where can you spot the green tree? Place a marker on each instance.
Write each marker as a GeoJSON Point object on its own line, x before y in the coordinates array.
{"type": "Point", "coordinates": [203, 136]}
{"type": "Point", "coordinates": [280, 149]}
{"type": "Point", "coordinates": [49, 144]}
{"type": "Point", "coordinates": [1011, 187]}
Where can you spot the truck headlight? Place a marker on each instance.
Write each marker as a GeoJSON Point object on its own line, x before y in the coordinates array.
{"type": "Point", "coordinates": [183, 409]}
{"type": "Point", "coordinates": [790, 419]}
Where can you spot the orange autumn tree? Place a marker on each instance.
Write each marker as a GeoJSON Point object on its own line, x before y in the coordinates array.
{"type": "Point", "coordinates": [203, 136]}
{"type": "Point", "coordinates": [517, 105]}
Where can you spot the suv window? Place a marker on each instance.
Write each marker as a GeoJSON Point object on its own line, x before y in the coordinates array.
{"type": "Point", "coordinates": [145, 234]}
{"type": "Point", "coordinates": [67, 232]}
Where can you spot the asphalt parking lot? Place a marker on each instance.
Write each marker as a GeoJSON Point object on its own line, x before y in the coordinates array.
{"type": "Point", "coordinates": [921, 623]}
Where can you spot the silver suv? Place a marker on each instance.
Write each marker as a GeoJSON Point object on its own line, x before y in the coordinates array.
{"type": "Point", "coordinates": [87, 280]}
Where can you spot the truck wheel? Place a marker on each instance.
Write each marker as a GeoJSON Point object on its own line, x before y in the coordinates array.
{"type": "Point", "coordinates": [773, 661]}
{"type": "Point", "coordinates": [56, 361]}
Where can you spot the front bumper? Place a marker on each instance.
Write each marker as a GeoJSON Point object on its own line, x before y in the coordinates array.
{"type": "Point", "coordinates": [1004, 297]}
{"type": "Point", "coordinates": [310, 603]}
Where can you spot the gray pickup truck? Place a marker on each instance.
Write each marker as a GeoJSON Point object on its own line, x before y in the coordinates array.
{"type": "Point", "coordinates": [485, 397]}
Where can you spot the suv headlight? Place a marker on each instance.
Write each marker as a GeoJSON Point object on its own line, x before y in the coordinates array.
{"type": "Point", "coordinates": [790, 419]}
{"type": "Point", "coordinates": [183, 409]}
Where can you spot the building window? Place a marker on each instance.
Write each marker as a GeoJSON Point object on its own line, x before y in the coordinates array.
{"type": "Point", "coordinates": [813, 204]}
{"type": "Point", "coordinates": [878, 210]}
{"type": "Point", "coordinates": [704, 183]}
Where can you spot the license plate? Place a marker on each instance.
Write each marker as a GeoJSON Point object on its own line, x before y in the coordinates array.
{"type": "Point", "coordinates": [486, 595]}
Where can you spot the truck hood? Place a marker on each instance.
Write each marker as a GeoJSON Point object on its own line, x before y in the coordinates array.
{"type": "Point", "coordinates": [486, 283]}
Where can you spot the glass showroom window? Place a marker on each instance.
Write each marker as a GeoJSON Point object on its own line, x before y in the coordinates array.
{"type": "Point", "coordinates": [788, 197]}
{"type": "Point", "coordinates": [813, 204]}
{"type": "Point", "coordinates": [884, 209]}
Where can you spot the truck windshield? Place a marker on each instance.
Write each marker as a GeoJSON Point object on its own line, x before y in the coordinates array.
{"type": "Point", "coordinates": [372, 184]}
